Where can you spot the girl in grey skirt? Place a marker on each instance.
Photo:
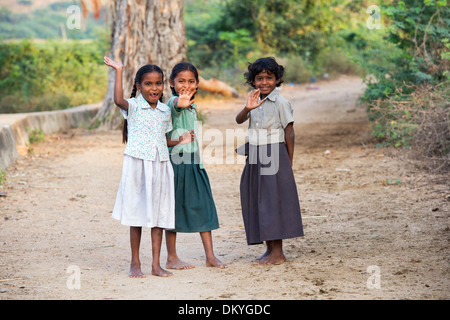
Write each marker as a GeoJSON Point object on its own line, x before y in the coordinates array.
{"type": "Point", "coordinates": [269, 198]}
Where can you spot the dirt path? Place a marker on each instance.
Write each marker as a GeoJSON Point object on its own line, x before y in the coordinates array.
{"type": "Point", "coordinates": [375, 227]}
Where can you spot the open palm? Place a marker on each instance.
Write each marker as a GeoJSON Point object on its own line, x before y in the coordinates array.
{"type": "Point", "coordinates": [185, 96]}
{"type": "Point", "coordinates": [113, 64]}
{"type": "Point", "coordinates": [187, 137]}
{"type": "Point", "coordinates": [252, 100]}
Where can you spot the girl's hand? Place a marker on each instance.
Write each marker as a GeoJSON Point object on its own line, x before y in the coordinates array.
{"type": "Point", "coordinates": [112, 64]}
{"type": "Point", "coordinates": [187, 137]}
{"type": "Point", "coordinates": [185, 96]}
{"type": "Point", "coordinates": [252, 100]}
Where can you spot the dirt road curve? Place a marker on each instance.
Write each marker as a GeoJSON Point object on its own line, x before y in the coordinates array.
{"type": "Point", "coordinates": [375, 227]}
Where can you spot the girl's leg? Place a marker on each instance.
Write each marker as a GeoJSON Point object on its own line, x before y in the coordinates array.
{"type": "Point", "coordinates": [173, 262]}
{"type": "Point", "coordinates": [276, 254]}
{"type": "Point", "coordinates": [156, 251]}
{"type": "Point", "coordinates": [135, 241]}
{"type": "Point", "coordinates": [211, 260]}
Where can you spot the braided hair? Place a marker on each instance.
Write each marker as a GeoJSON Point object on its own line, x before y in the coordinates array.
{"type": "Point", "coordinates": [138, 79]}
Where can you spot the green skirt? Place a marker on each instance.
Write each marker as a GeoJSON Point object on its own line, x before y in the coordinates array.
{"type": "Point", "coordinates": [195, 210]}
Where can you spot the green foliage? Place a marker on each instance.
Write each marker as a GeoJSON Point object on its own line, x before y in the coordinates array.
{"type": "Point", "coordinates": [239, 40]}
{"type": "Point", "coordinates": [50, 75]}
{"type": "Point", "coordinates": [417, 51]}
{"type": "Point", "coordinates": [422, 124]}
{"type": "Point", "coordinates": [296, 70]}
{"type": "Point", "coordinates": [205, 49]}
{"type": "Point", "coordinates": [412, 54]}
{"type": "Point", "coordinates": [226, 35]}
{"type": "Point", "coordinates": [46, 23]}
{"type": "Point", "coordinates": [35, 135]}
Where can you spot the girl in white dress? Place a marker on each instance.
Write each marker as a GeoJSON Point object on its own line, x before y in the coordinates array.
{"type": "Point", "coordinates": [146, 192]}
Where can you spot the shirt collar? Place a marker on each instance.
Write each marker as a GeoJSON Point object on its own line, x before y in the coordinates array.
{"type": "Point", "coordinates": [145, 105]}
{"type": "Point", "coordinates": [273, 95]}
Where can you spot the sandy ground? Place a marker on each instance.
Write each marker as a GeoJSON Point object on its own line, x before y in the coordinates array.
{"type": "Point", "coordinates": [375, 226]}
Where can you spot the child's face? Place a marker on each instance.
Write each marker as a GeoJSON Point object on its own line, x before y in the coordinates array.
{"type": "Point", "coordinates": [151, 87]}
{"type": "Point", "coordinates": [266, 82]}
{"type": "Point", "coordinates": [184, 80]}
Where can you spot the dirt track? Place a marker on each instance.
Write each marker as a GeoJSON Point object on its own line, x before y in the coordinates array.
{"type": "Point", "coordinates": [367, 215]}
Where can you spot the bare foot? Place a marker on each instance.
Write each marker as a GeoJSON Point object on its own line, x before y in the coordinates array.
{"type": "Point", "coordinates": [272, 259]}
{"type": "Point", "coordinates": [177, 264]}
{"type": "Point", "coordinates": [160, 272]}
{"type": "Point", "coordinates": [214, 262]}
{"type": "Point", "coordinates": [135, 270]}
{"type": "Point", "coordinates": [264, 255]}
{"type": "Point", "coordinates": [269, 249]}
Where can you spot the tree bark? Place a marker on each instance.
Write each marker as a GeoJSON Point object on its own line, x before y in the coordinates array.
{"type": "Point", "coordinates": [143, 32]}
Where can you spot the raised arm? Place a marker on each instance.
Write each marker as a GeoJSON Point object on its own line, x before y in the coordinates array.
{"type": "Point", "coordinates": [252, 103]}
{"type": "Point", "coordinates": [184, 98]}
{"type": "Point", "coordinates": [118, 89]}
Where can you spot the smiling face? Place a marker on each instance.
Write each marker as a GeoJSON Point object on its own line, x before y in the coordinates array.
{"type": "Point", "coordinates": [184, 80]}
{"type": "Point", "coordinates": [151, 87]}
{"type": "Point", "coordinates": [266, 82]}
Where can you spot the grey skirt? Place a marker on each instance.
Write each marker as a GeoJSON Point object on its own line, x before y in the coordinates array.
{"type": "Point", "coordinates": [269, 198]}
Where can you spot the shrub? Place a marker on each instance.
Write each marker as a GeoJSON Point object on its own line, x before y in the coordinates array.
{"type": "Point", "coordinates": [50, 75]}
{"type": "Point", "coordinates": [296, 70]}
{"type": "Point", "coordinates": [418, 120]}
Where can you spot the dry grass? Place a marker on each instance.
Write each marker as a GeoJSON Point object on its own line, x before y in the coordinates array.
{"type": "Point", "coordinates": [431, 140]}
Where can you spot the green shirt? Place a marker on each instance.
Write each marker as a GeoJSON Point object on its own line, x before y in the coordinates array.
{"type": "Point", "coordinates": [184, 119]}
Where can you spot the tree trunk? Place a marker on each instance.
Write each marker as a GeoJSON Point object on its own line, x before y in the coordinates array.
{"type": "Point", "coordinates": [216, 86]}
{"type": "Point", "coordinates": [143, 32]}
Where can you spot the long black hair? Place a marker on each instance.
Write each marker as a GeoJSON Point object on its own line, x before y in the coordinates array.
{"type": "Point", "coordinates": [138, 79]}
{"type": "Point", "coordinates": [179, 67]}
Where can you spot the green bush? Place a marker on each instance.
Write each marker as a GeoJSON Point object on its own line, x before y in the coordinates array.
{"type": "Point", "coordinates": [35, 135]}
{"type": "Point", "coordinates": [50, 76]}
{"type": "Point", "coordinates": [296, 69]}
{"type": "Point", "coordinates": [407, 84]}
{"type": "Point", "coordinates": [46, 22]}
{"type": "Point", "coordinates": [223, 36]}
{"type": "Point", "coordinates": [336, 62]}
{"type": "Point", "coordinates": [419, 120]}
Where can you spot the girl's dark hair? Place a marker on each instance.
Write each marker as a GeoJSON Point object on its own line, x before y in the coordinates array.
{"type": "Point", "coordinates": [179, 67]}
{"type": "Point", "coordinates": [269, 65]}
{"type": "Point", "coordinates": [138, 79]}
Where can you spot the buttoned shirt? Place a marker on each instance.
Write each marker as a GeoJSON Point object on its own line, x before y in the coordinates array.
{"type": "Point", "coordinates": [268, 121]}
{"type": "Point", "coordinates": [147, 128]}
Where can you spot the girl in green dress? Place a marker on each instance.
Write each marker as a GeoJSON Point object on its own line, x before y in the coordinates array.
{"type": "Point", "coordinates": [195, 210]}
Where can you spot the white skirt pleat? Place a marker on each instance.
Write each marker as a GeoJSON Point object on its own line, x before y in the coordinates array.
{"type": "Point", "coordinates": [146, 196]}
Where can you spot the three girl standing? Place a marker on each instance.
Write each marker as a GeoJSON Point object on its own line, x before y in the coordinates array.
{"type": "Point", "coordinates": [177, 196]}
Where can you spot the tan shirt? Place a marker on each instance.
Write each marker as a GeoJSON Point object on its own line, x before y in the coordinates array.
{"type": "Point", "coordinates": [268, 121]}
